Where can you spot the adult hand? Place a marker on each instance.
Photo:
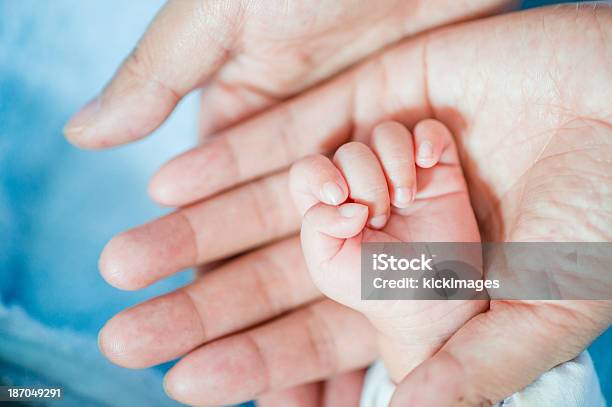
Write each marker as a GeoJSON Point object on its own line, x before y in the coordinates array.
{"type": "Point", "coordinates": [249, 54]}
{"type": "Point", "coordinates": [535, 137]}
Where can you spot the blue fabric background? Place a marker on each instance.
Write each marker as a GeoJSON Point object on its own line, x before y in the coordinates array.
{"type": "Point", "coordinates": [59, 205]}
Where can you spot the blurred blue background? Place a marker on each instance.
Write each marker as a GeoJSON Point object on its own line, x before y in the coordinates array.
{"type": "Point", "coordinates": [59, 205]}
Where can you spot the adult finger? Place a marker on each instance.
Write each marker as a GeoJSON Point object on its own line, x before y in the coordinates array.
{"type": "Point", "coordinates": [158, 73]}
{"type": "Point", "coordinates": [343, 390]}
{"type": "Point", "coordinates": [262, 211]}
{"type": "Point", "coordinates": [522, 340]}
{"type": "Point", "coordinates": [304, 395]}
{"type": "Point", "coordinates": [256, 147]}
{"type": "Point", "coordinates": [304, 346]}
{"type": "Point", "coordinates": [264, 284]}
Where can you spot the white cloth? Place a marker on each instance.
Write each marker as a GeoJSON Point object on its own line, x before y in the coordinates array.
{"type": "Point", "coordinates": [571, 384]}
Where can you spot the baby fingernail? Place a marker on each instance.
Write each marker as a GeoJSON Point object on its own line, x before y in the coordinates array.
{"type": "Point", "coordinates": [351, 210]}
{"type": "Point", "coordinates": [378, 222]}
{"type": "Point", "coordinates": [425, 150]}
{"type": "Point", "coordinates": [332, 193]}
{"type": "Point", "coordinates": [403, 197]}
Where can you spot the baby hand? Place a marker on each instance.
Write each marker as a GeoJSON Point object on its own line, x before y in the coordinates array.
{"type": "Point", "coordinates": [404, 188]}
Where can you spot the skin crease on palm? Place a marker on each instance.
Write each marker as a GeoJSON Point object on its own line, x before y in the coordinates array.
{"type": "Point", "coordinates": [527, 96]}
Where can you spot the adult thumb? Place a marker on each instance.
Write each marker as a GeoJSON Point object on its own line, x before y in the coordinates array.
{"type": "Point", "coordinates": [184, 45]}
{"type": "Point", "coordinates": [499, 352]}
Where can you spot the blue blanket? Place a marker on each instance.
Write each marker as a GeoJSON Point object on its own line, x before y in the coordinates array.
{"type": "Point", "coordinates": [59, 205]}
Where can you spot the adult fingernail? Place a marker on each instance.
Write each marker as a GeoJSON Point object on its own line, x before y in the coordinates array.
{"type": "Point", "coordinates": [425, 150]}
{"type": "Point", "coordinates": [83, 117]}
{"type": "Point", "coordinates": [403, 196]}
{"type": "Point", "coordinates": [351, 210]}
{"type": "Point", "coordinates": [166, 387]}
{"type": "Point", "coordinates": [332, 193]}
{"type": "Point", "coordinates": [378, 222]}
{"type": "Point", "coordinates": [99, 339]}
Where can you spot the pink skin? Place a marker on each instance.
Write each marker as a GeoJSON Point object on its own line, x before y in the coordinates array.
{"type": "Point", "coordinates": [249, 56]}
{"type": "Point", "coordinates": [533, 133]}
{"type": "Point", "coordinates": [439, 211]}
{"type": "Point", "coordinates": [341, 390]}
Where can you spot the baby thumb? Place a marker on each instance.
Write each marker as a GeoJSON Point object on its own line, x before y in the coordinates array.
{"type": "Point", "coordinates": [325, 229]}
